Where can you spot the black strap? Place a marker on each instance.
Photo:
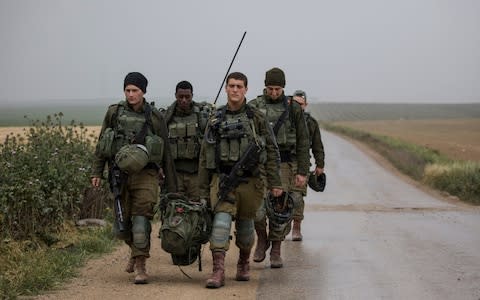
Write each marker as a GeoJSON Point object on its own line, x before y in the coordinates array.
{"type": "Point", "coordinates": [283, 117]}
{"type": "Point", "coordinates": [140, 136]}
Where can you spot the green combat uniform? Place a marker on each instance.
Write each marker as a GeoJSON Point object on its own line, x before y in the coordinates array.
{"type": "Point", "coordinates": [318, 154]}
{"type": "Point", "coordinates": [292, 139]}
{"type": "Point", "coordinates": [185, 133]}
{"type": "Point", "coordinates": [139, 192]}
{"type": "Point", "coordinates": [228, 137]}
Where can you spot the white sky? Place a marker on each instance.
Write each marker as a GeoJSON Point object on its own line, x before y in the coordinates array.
{"type": "Point", "coordinates": [338, 50]}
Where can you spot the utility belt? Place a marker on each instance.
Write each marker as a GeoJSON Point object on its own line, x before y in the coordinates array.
{"type": "Point", "coordinates": [286, 156]}
{"type": "Point", "coordinates": [245, 173]}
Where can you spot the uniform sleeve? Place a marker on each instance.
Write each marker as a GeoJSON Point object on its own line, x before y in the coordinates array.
{"type": "Point", "coordinates": [167, 163]}
{"type": "Point", "coordinates": [317, 144]}
{"type": "Point", "coordinates": [99, 162]}
{"type": "Point", "coordinates": [303, 145]}
{"type": "Point", "coordinates": [203, 173]}
{"type": "Point", "coordinates": [272, 165]}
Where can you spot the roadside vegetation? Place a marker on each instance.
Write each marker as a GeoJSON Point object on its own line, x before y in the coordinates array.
{"type": "Point", "coordinates": [457, 178]}
{"type": "Point", "coordinates": [42, 185]}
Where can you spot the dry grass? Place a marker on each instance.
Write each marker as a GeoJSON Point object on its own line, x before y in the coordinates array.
{"type": "Point", "coordinates": [459, 139]}
{"type": "Point", "coordinates": [4, 131]}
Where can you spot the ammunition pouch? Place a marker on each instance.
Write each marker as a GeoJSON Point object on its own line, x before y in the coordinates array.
{"type": "Point", "coordinates": [104, 147]}
{"type": "Point", "coordinates": [154, 145]}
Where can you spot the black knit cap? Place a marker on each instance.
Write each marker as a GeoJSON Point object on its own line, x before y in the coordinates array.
{"type": "Point", "coordinates": [275, 76]}
{"type": "Point", "coordinates": [137, 79]}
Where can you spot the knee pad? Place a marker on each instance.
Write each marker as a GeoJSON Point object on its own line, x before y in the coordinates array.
{"type": "Point", "coordinates": [244, 235]}
{"type": "Point", "coordinates": [141, 229]}
{"type": "Point", "coordinates": [261, 214]}
{"type": "Point", "coordinates": [220, 237]}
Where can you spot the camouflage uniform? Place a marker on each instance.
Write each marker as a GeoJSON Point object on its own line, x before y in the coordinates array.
{"type": "Point", "coordinates": [139, 194]}
{"type": "Point", "coordinates": [319, 155]}
{"type": "Point", "coordinates": [186, 128]}
{"type": "Point", "coordinates": [292, 140]}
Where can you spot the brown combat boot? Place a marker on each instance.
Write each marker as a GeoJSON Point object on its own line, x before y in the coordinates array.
{"type": "Point", "coordinates": [275, 258]}
{"type": "Point", "coordinates": [217, 279]}
{"type": "Point", "coordinates": [262, 245]}
{"type": "Point", "coordinates": [131, 265]}
{"type": "Point", "coordinates": [141, 277]}
{"type": "Point", "coordinates": [243, 266]}
{"type": "Point", "coordinates": [296, 232]}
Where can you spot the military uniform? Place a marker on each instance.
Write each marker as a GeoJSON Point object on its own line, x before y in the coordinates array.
{"type": "Point", "coordinates": [228, 135]}
{"type": "Point", "coordinates": [139, 193]}
{"type": "Point", "coordinates": [319, 155]}
{"type": "Point", "coordinates": [185, 133]}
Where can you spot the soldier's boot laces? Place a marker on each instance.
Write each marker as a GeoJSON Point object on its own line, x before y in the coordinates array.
{"type": "Point", "coordinates": [217, 279]}
{"type": "Point", "coordinates": [296, 232]}
{"type": "Point", "coordinates": [130, 265]}
{"type": "Point", "coordinates": [243, 266]}
{"type": "Point", "coordinates": [275, 258]}
{"type": "Point", "coordinates": [262, 245]}
{"type": "Point", "coordinates": [141, 277]}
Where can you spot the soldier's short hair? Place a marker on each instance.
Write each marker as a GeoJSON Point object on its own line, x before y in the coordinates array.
{"type": "Point", "coordinates": [238, 76]}
{"type": "Point", "coordinates": [184, 85]}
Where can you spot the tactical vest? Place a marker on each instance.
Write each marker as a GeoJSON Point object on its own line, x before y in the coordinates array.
{"type": "Point", "coordinates": [286, 136]}
{"type": "Point", "coordinates": [232, 135]}
{"type": "Point", "coordinates": [185, 134]}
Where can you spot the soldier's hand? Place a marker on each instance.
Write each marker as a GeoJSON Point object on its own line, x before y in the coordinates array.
{"type": "Point", "coordinates": [161, 176]}
{"type": "Point", "coordinates": [318, 171]}
{"type": "Point", "coordinates": [276, 192]}
{"type": "Point", "coordinates": [300, 180]}
{"type": "Point", "coordinates": [96, 181]}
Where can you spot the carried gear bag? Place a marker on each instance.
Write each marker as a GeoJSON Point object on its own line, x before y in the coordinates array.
{"type": "Point", "coordinates": [186, 225]}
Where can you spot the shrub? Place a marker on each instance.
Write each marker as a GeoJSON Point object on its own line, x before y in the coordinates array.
{"type": "Point", "coordinates": [44, 174]}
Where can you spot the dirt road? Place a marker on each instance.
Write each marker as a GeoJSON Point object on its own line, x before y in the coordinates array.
{"type": "Point", "coordinates": [370, 235]}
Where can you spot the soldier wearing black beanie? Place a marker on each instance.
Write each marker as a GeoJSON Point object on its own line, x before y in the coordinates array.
{"type": "Point", "coordinates": [137, 79]}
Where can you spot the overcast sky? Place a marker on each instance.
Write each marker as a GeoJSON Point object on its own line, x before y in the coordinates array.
{"type": "Point", "coordinates": [338, 50]}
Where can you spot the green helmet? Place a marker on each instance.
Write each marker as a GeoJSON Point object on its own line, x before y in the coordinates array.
{"type": "Point", "coordinates": [317, 183]}
{"type": "Point", "coordinates": [132, 158]}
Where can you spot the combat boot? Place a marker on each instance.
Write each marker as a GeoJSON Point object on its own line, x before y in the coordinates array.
{"type": "Point", "coordinates": [141, 277]}
{"type": "Point", "coordinates": [275, 258]}
{"type": "Point", "coordinates": [243, 266]}
{"type": "Point", "coordinates": [262, 245]}
{"type": "Point", "coordinates": [217, 279]}
{"type": "Point", "coordinates": [131, 265]}
{"type": "Point", "coordinates": [296, 232]}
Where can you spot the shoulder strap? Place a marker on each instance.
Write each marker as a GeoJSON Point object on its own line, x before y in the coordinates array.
{"type": "Point", "coordinates": [283, 117]}
{"type": "Point", "coordinates": [140, 136]}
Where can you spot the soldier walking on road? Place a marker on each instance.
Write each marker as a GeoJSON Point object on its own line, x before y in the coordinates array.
{"type": "Point", "coordinates": [238, 155]}
{"type": "Point", "coordinates": [186, 121]}
{"type": "Point", "coordinates": [132, 139]}
{"type": "Point", "coordinates": [318, 152]}
{"type": "Point", "coordinates": [288, 123]}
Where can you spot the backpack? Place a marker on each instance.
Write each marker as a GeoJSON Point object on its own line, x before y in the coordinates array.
{"type": "Point", "coordinates": [186, 226]}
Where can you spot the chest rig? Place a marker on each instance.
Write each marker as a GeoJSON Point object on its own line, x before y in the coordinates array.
{"type": "Point", "coordinates": [228, 138]}
{"type": "Point", "coordinates": [278, 117]}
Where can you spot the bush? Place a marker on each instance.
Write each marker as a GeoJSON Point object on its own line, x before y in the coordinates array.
{"type": "Point", "coordinates": [44, 174]}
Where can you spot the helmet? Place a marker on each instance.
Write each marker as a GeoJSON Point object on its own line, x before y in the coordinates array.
{"type": "Point", "coordinates": [279, 209]}
{"type": "Point", "coordinates": [317, 183]}
{"type": "Point", "coordinates": [132, 158]}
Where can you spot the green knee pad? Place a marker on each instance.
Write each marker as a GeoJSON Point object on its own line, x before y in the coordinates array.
{"type": "Point", "coordinates": [141, 229]}
{"type": "Point", "coordinates": [244, 235]}
{"type": "Point", "coordinates": [220, 237]}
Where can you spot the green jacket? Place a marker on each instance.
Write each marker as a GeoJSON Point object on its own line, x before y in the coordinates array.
{"type": "Point", "coordinates": [302, 146]}
{"type": "Point", "coordinates": [269, 169]}
{"type": "Point", "coordinates": [158, 128]}
{"type": "Point", "coordinates": [315, 140]}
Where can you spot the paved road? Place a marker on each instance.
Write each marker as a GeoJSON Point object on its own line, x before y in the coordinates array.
{"type": "Point", "coordinates": [371, 235]}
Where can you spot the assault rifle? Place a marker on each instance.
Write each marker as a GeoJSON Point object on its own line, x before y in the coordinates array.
{"type": "Point", "coordinates": [248, 161]}
{"type": "Point", "coordinates": [116, 177]}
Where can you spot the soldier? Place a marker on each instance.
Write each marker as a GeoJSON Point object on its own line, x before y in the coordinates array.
{"type": "Point", "coordinates": [186, 121]}
{"type": "Point", "coordinates": [319, 155]}
{"type": "Point", "coordinates": [288, 123]}
{"type": "Point", "coordinates": [132, 138]}
{"type": "Point", "coordinates": [231, 132]}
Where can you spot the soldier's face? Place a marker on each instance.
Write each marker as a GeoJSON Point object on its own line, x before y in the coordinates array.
{"type": "Point", "coordinates": [134, 95]}
{"type": "Point", "coordinates": [274, 91]}
{"type": "Point", "coordinates": [184, 98]}
{"type": "Point", "coordinates": [236, 90]}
